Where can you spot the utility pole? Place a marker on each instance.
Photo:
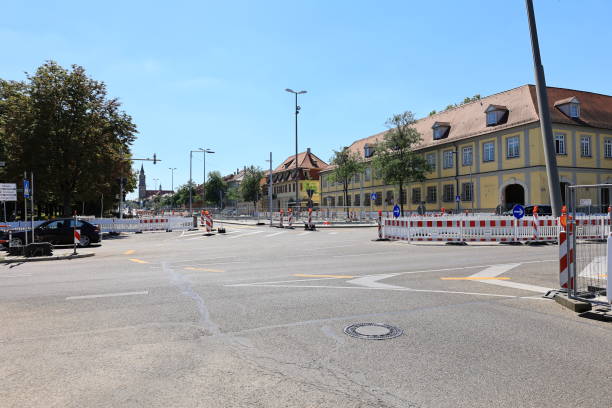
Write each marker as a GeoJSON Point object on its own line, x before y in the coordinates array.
{"type": "Point", "coordinates": [297, 111]}
{"type": "Point", "coordinates": [32, 203]}
{"type": "Point", "coordinates": [25, 206]}
{"type": "Point", "coordinates": [554, 188]}
{"type": "Point", "coordinates": [121, 198]}
{"type": "Point", "coordinates": [270, 190]}
{"type": "Point", "coordinates": [190, 184]}
{"type": "Point", "coordinates": [458, 203]}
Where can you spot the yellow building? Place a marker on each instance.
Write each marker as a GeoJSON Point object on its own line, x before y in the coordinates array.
{"type": "Point", "coordinates": [286, 178]}
{"type": "Point", "coordinates": [489, 153]}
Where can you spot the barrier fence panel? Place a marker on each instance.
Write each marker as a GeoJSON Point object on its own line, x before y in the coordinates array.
{"type": "Point", "coordinates": [590, 269]}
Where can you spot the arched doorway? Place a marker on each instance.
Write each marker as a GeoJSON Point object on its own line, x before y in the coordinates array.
{"type": "Point", "coordinates": [514, 194]}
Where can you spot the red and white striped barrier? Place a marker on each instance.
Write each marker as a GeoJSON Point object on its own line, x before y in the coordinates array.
{"type": "Point", "coordinates": [290, 218]}
{"type": "Point", "coordinates": [489, 229]}
{"type": "Point", "coordinates": [77, 236]}
{"type": "Point", "coordinates": [209, 222]}
{"type": "Point", "coordinates": [281, 219]}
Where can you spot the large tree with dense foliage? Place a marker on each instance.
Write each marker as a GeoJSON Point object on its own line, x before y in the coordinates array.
{"type": "Point", "coordinates": [60, 124]}
{"type": "Point", "coordinates": [250, 188]}
{"type": "Point", "coordinates": [395, 157]}
{"type": "Point", "coordinates": [215, 188]}
{"type": "Point", "coordinates": [346, 164]}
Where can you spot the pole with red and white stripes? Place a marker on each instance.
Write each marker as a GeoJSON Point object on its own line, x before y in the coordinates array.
{"type": "Point", "coordinates": [380, 234]}
{"type": "Point", "coordinates": [208, 222]}
{"type": "Point", "coordinates": [290, 218]}
{"type": "Point", "coordinates": [534, 223]}
{"type": "Point", "coordinates": [566, 254]}
{"type": "Point", "coordinates": [609, 255]}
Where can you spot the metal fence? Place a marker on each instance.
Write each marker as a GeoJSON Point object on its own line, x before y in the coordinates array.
{"type": "Point", "coordinates": [589, 271]}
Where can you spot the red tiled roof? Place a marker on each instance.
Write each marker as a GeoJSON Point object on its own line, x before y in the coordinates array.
{"type": "Point", "coordinates": [306, 160]}
{"type": "Point", "coordinates": [469, 120]}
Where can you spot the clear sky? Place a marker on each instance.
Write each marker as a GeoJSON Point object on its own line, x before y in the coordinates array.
{"type": "Point", "coordinates": [212, 73]}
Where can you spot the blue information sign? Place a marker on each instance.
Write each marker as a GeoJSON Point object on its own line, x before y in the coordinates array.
{"type": "Point", "coordinates": [396, 211]}
{"type": "Point", "coordinates": [26, 188]}
{"type": "Point", "coordinates": [373, 196]}
{"type": "Point", "coordinates": [518, 211]}
{"type": "Point", "coordinates": [457, 198]}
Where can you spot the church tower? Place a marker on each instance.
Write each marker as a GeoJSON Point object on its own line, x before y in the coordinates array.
{"type": "Point", "coordinates": [142, 184]}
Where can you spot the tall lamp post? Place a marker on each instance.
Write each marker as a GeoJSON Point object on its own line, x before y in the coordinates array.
{"type": "Point", "coordinates": [297, 111]}
{"type": "Point", "coordinates": [204, 182]}
{"type": "Point", "coordinates": [191, 181]}
{"type": "Point", "coordinates": [172, 171]}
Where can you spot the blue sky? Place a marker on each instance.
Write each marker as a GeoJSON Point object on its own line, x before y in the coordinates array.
{"type": "Point", "coordinates": [212, 74]}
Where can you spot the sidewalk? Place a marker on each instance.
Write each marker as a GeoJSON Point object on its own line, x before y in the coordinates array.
{"type": "Point", "coordinates": [58, 255]}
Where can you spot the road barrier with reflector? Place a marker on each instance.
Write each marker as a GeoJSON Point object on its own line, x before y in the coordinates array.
{"type": "Point", "coordinates": [489, 229]}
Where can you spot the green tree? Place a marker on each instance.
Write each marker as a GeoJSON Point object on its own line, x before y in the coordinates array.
{"type": "Point", "coordinates": [347, 165]}
{"type": "Point", "coordinates": [250, 188]}
{"type": "Point", "coordinates": [61, 125]}
{"type": "Point", "coordinates": [395, 157]}
{"type": "Point", "coordinates": [215, 188]}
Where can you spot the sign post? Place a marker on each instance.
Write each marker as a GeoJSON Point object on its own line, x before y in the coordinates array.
{"type": "Point", "coordinates": [396, 211]}
{"type": "Point", "coordinates": [76, 234]}
{"type": "Point", "coordinates": [26, 195]}
{"type": "Point", "coordinates": [8, 192]}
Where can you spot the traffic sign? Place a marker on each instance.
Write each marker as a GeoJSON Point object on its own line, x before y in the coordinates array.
{"type": "Point", "coordinates": [373, 196]}
{"type": "Point", "coordinates": [8, 192]}
{"type": "Point", "coordinates": [26, 188]}
{"type": "Point", "coordinates": [518, 211]}
{"type": "Point", "coordinates": [396, 211]}
{"type": "Point", "coordinates": [457, 198]}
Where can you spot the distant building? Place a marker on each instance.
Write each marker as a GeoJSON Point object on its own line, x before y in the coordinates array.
{"type": "Point", "coordinates": [143, 193]}
{"type": "Point", "coordinates": [287, 176]}
{"type": "Point", "coordinates": [487, 155]}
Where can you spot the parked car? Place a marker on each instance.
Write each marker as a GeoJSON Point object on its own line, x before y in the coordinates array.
{"type": "Point", "coordinates": [544, 209]}
{"type": "Point", "coordinates": [57, 232]}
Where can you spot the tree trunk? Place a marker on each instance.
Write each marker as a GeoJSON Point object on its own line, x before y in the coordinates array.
{"type": "Point", "coordinates": [67, 206]}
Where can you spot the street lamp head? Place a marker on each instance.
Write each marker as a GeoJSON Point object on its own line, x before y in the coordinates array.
{"type": "Point", "coordinates": [290, 90]}
{"type": "Point", "coordinates": [302, 92]}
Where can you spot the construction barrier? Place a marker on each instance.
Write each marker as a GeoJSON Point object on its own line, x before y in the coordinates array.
{"type": "Point", "coordinates": [290, 218]}
{"type": "Point", "coordinates": [209, 222]}
{"type": "Point", "coordinates": [488, 229]}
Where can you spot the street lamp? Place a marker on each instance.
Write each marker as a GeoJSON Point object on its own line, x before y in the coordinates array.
{"type": "Point", "coordinates": [191, 181]}
{"type": "Point", "coordinates": [297, 111]}
{"type": "Point", "coordinates": [172, 171]}
{"type": "Point", "coordinates": [204, 182]}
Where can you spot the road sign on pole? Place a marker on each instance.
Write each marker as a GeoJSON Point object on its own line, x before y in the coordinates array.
{"type": "Point", "coordinates": [26, 188]}
{"type": "Point", "coordinates": [457, 198]}
{"type": "Point", "coordinates": [518, 211]}
{"type": "Point", "coordinates": [8, 192]}
{"type": "Point", "coordinates": [396, 211]}
{"type": "Point", "coordinates": [373, 196]}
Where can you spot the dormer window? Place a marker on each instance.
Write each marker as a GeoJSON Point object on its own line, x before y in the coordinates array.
{"type": "Point", "coordinates": [496, 114]}
{"type": "Point", "coordinates": [368, 151]}
{"type": "Point", "coordinates": [570, 107]}
{"type": "Point", "coordinates": [440, 130]}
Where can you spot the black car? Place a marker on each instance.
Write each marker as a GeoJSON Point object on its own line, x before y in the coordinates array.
{"type": "Point", "coordinates": [57, 232]}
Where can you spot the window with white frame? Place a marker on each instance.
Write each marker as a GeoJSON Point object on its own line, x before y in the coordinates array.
{"type": "Point", "coordinates": [366, 199]}
{"type": "Point", "coordinates": [448, 193]}
{"type": "Point", "coordinates": [357, 201]}
{"type": "Point", "coordinates": [432, 194]}
{"type": "Point", "coordinates": [585, 146]}
{"type": "Point", "coordinates": [467, 191]}
{"type": "Point", "coordinates": [560, 143]}
{"type": "Point", "coordinates": [467, 156]}
{"type": "Point", "coordinates": [448, 159]}
{"type": "Point", "coordinates": [574, 109]}
{"type": "Point", "coordinates": [416, 196]}
{"type": "Point", "coordinates": [431, 160]}
{"type": "Point", "coordinates": [367, 174]}
{"type": "Point", "coordinates": [488, 152]}
{"type": "Point", "coordinates": [608, 149]}
{"type": "Point", "coordinates": [513, 147]}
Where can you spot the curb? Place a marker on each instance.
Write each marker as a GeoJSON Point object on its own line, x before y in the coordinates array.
{"type": "Point", "coordinates": [572, 304]}
{"type": "Point", "coordinates": [47, 258]}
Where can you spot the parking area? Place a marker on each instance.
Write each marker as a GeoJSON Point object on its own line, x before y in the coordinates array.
{"type": "Point", "coordinates": [256, 317]}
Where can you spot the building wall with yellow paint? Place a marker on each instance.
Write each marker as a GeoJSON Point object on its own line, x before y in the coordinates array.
{"type": "Point", "coordinates": [491, 178]}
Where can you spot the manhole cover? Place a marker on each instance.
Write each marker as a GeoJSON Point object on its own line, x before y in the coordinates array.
{"type": "Point", "coordinates": [373, 331]}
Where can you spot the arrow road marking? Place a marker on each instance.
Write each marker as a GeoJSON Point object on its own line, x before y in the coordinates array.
{"type": "Point", "coordinates": [371, 281]}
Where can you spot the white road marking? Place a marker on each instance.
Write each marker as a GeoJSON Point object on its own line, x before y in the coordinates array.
{"type": "Point", "coordinates": [276, 233]}
{"type": "Point", "coordinates": [332, 233]}
{"type": "Point", "coordinates": [144, 292]}
{"type": "Point", "coordinates": [16, 276]}
{"type": "Point", "coordinates": [367, 254]}
{"type": "Point", "coordinates": [244, 235]}
{"type": "Point", "coordinates": [371, 281]}
{"type": "Point", "coordinates": [597, 267]}
{"type": "Point", "coordinates": [303, 233]}
{"type": "Point", "coordinates": [496, 270]}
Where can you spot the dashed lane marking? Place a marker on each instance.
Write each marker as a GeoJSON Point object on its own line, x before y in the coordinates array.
{"type": "Point", "coordinates": [303, 275]}
{"type": "Point", "coordinates": [129, 252]}
{"type": "Point", "coordinates": [140, 261]}
{"type": "Point", "coordinates": [476, 278]}
{"type": "Point", "coordinates": [191, 268]}
{"type": "Point", "coordinates": [144, 292]}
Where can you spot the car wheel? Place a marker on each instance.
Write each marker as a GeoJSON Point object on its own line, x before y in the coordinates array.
{"type": "Point", "coordinates": [16, 241]}
{"type": "Point", "coordinates": [85, 241]}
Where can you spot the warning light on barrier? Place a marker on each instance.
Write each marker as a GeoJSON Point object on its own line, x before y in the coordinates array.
{"type": "Point", "coordinates": [380, 212]}
{"type": "Point", "coordinates": [563, 210]}
{"type": "Point", "coordinates": [535, 209]}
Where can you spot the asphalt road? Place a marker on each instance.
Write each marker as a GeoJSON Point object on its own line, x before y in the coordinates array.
{"type": "Point", "coordinates": [255, 318]}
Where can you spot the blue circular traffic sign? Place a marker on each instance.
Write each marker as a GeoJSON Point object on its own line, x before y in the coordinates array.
{"type": "Point", "coordinates": [396, 211]}
{"type": "Point", "coordinates": [373, 196]}
{"type": "Point", "coordinates": [518, 211]}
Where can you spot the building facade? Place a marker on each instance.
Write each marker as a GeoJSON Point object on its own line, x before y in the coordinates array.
{"type": "Point", "coordinates": [286, 178]}
{"type": "Point", "coordinates": [487, 155]}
